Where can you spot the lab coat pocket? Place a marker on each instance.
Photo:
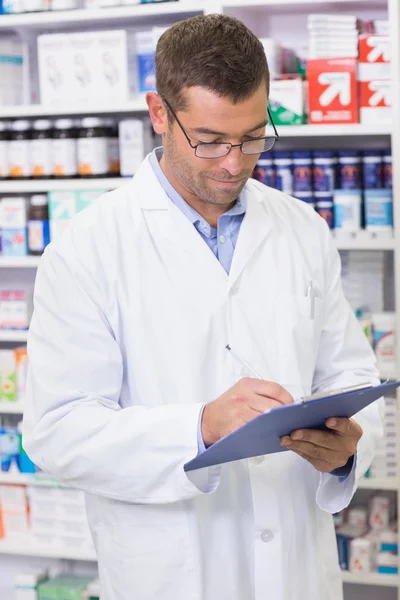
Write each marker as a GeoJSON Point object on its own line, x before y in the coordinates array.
{"type": "Point", "coordinates": [299, 322]}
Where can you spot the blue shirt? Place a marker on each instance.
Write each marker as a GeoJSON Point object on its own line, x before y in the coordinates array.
{"type": "Point", "coordinates": [222, 241]}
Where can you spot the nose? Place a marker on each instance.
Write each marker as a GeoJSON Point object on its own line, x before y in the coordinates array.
{"type": "Point", "coordinates": [233, 162]}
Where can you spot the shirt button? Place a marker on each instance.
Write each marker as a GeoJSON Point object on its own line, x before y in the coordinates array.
{"type": "Point", "coordinates": [267, 536]}
{"type": "Point", "coordinates": [222, 239]}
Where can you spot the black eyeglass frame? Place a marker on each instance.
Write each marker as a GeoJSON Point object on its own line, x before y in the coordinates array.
{"type": "Point", "coordinates": [195, 146]}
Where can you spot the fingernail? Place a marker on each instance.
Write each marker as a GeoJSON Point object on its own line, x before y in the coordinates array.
{"type": "Point", "coordinates": [332, 422]}
{"type": "Point", "coordinates": [286, 441]}
{"type": "Point", "coordinates": [297, 435]}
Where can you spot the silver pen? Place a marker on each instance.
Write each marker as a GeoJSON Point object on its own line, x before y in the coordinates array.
{"type": "Point", "coordinates": [241, 361]}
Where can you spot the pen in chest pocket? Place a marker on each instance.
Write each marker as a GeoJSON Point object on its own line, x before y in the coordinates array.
{"type": "Point", "coordinates": [311, 295]}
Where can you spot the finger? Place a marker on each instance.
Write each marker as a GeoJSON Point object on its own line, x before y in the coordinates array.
{"type": "Point", "coordinates": [319, 465]}
{"type": "Point", "coordinates": [325, 439]}
{"type": "Point", "coordinates": [262, 404]}
{"type": "Point", "coordinates": [315, 452]}
{"type": "Point", "coordinates": [269, 389]}
{"type": "Point", "coordinates": [345, 427]}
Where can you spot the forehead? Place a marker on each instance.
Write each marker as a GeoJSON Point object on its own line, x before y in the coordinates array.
{"type": "Point", "coordinates": [207, 109]}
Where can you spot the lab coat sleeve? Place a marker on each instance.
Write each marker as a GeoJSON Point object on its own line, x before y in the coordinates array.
{"type": "Point", "coordinates": [74, 428]}
{"type": "Point", "coordinates": [344, 358]}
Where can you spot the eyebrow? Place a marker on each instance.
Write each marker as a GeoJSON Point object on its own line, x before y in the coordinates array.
{"type": "Point", "coordinates": [206, 131]}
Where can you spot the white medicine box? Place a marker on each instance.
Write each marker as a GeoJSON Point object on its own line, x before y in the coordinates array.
{"type": "Point", "coordinates": [83, 67]}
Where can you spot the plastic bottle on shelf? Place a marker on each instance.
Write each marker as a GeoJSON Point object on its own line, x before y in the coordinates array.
{"type": "Point", "coordinates": [41, 151]}
{"type": "Point", "coordinates": [302, 172]}
{"type": "Point", "coordinates": [65, 160]}
{"type": "Point", "coordinates": [19, 162]}
{"type": "Point", "coordinates": [372, 169]}
{"type": "Point", "coordinates": [4, 148]}
{"type": "Point", "coordinates": [324, 166]}
{"type": "Point", "coordinates": [93, 148]}
{"type": "Point", "coordinates": [324, 206]}
{"type": "Point", "coordinates": [114, 165]}
{"type": "Point", "coordinates": [349, 167]}
{"type": "Point", "coordinates": [264, 170]}
{"type": "Point", "coordinates": [38, 225]}
{"type": "Point", "coordinates": [387, 169]}
{"type": "Point", "coordinates": [347, 210]}
{"type": "Point", "coordinates": [283, 172]}
{"type": "Point", "coordinates": [379, 210]}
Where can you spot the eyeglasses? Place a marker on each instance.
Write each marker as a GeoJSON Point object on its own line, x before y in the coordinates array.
{"type": "Point", "coordinates": [218, 150]}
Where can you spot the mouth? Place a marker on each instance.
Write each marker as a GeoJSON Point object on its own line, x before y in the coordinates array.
{"type": "Point", "coordinates": [228, 184]}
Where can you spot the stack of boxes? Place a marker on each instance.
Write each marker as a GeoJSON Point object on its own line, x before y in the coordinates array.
{"type": "Point", "coordinates": [11, 71]}
{"type": "Point", "coordinates": [384, 464]}
{"type": "Point", "coordinates": [45, 517]}
{"type": "Point", "coordinates": [332, 36]}
{"type": "Point", "coordinates": [14, 513]}
{"type": "Point", "coordinates": [13, 373]}
{"type": "Point", "coordinates": [374, 79]}
{"type": "Point", "coordinates": [63, 206]}
{"type": "Point", "coordinates": [58, 519]}
{"type": "Point", "coordinates": [348, 75]}
{"type": "Point", "coordinates": [83, 67]}
{"type": "Point", "coordinates": [13, 226]}
{"type": "Point", "coordinates": [367, 538]}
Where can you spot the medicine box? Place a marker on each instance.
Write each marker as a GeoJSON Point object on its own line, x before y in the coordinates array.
{"type": "Point", "coordinates": [83, 67]}
{"type": "Point", "coordinates": [332, 91]}
{"type": "Point", "coordinates": [374, 57]}
{"type": "Point", "coordinates": [376, 101]}
{"type": "Point", "coordinates": [8, 375]}
{"type": "Point", "coordinates": [287, 101]}
{"type": "Point", "coordinates": [135, 141]}
{"type": "Point", "coordinates": [15, 309]}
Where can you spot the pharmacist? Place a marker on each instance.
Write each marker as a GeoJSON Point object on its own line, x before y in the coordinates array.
{"type": "Point", "coordinates": [133, 309]}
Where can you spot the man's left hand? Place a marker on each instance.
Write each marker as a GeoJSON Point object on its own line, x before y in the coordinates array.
{"type": "Point", "coordinates": [326, 450]}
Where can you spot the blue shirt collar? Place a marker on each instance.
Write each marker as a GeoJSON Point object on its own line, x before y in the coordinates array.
{"type": "Point", "coordinates": [239, 208]}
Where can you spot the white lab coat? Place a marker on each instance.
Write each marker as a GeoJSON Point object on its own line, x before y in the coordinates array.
{"type": "Point", "coordinates": [132, 315]}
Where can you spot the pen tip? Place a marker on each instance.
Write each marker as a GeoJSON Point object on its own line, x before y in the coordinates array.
{"type": "Point", "coordinates": [228, 347]}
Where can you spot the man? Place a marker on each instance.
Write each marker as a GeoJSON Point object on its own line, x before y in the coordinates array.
{"type": "Point", "coordinates": [129, 375]}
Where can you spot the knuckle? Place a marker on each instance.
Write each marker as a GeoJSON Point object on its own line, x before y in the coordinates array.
{"type": "Point", "coordinates": [238, 397]}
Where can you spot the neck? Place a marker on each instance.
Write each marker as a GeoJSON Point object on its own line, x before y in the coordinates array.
{"type": "Point", "coordinates": [210, 212]}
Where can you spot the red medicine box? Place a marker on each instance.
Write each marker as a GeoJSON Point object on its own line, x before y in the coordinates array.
{"type": "Point", "coordinates": [332, 90]}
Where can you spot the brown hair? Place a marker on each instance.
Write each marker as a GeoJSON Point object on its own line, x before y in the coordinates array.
{"type": "Point", "coordinates": [216, 52]}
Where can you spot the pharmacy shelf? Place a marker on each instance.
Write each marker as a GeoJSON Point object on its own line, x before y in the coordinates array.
{"type": "Point", "coordinates": [372, 483]}
{"type": "Point", "coordinates": [141, 14]}
{"type": "Point", "coordinates": [11, 408]}
{"type": "Point", "coordinates": [17, 262]}
{"type": "Point", "coordinates": [26, 111]}
{"type": "Point", "coordinates": [30, 549]}
{"type": "Point", "coordinates": [310, 5]}
{"type": "Point", "coordinates": [357, 129]}
{"type": "Point", "coordinates": [371, 579]}
{"type": "Point", "coordinates": [13, 336]}
{"type": "Point", "coordinates": [30, 186]}
{"type": "Point", "coordinates": [365, 242]}
{"type": "Point", "coordinates": [38, 479]}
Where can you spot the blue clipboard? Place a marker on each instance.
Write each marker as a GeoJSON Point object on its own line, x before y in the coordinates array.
{"type": "Point", "coordinates": [262, 435]}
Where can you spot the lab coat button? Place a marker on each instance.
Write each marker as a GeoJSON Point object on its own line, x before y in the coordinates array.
{"type": "Point", "coordinates": [234, 290]}
{"type": "Point", "coordinates": [258, 460]}
{"type": "Point", "coordinates": [267, 536]}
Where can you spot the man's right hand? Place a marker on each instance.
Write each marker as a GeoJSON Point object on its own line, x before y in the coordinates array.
{"type": "Point", "coordinates": [242, 403]}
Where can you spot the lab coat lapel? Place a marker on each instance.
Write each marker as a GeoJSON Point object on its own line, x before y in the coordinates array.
{"type": "Point", "coordinates": [255, 228]}
{"type": "Point", "coordinates": [162, 214]}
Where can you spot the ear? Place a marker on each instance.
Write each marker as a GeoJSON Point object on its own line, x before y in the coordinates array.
{"type": "Point", "coordinates": [158, 113]}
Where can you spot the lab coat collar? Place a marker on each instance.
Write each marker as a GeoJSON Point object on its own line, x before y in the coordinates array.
{"type": "Point", "coordinates": [172, 224]}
